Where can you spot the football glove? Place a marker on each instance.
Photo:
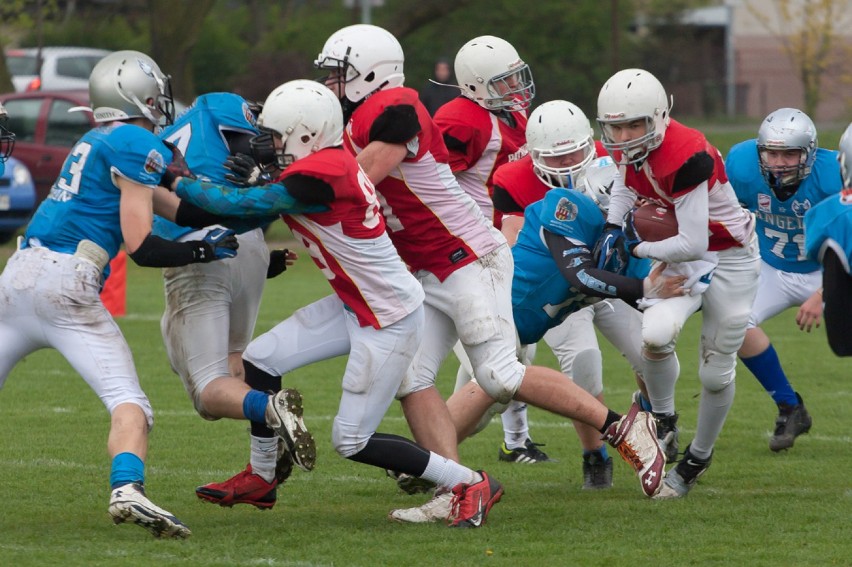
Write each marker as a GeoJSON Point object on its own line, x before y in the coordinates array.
{"type": "Point", "coordinates": [631, 236]}
{"type": "Point", "coordinates": [218, 244]}
{"type": "Point", "coordinates": [177, 168]}
{"type": "Point", "coordinates": [277, 263]}
{"type": "Point", "coordinates": [610, 252]}
{"type": "Point", "coordinates": [244, 171]}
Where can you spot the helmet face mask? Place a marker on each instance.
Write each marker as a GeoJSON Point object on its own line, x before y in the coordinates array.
{"type": "Point", "coordinates": [491, 73]}
{"type": "Point", "coordinates": [557, 129]}
{"type": "Point", "coordinates": [630, 100]}
{"type": "Point", "coordinates": [362, 59]}
{"type": "Point", "coordinates": [129, 84]}
{"type": "Point", "coordinates": [298, 118]}
{"type": "Point", "coordinates": [786, 132]}
{"type": "Point", "coordinates": [7, 138]}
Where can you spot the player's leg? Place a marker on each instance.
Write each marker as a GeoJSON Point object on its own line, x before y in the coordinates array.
{"type": "Point", "coordinates": [575, 344]}
{"type": "Point", "coordinates": [837, 293]}
{"type": "Point", "coordinates": [20, 326]}
{"type": "Point", "coordinates": [84, 333]}
{"type": "Point", "coordinates": [777, 291]}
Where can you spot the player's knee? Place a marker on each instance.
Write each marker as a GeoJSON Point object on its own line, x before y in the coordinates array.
{"type": "Point", "coordinates": [660, 336]}
{"type": "Point", "coordinates": [502, 381]}
{"type": "Point", "coordinates": [260, 350]}
{"type": "Point", "coordinates": [730, 339]}
{"type": "Point", "coordinates": [588, 371]}
{"type": "Point", "coordinates": [717, 370]}
{"type": "Point", "coordinates": [346, 441]}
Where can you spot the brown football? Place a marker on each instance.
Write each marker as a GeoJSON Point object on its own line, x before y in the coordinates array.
{"type": "Point", "coordinates": [654, 223]}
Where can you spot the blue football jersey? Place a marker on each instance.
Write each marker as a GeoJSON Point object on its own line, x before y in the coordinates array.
{"type": "Point", "coordinates": [829, 224]}
{"type": "Point", "coordinates": [199, 133]}
{"type": "Point", "coordinates": [84, 200]}
{"type": "Point", "coordinates": [541, 297]}
{"type": "Point", "coordinates": [780, 224]}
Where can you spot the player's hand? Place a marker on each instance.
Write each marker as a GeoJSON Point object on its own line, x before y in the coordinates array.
{"type": "Point", "coordinates": [610, 252]}
{"type": "Point", "coordinates": [244, 171]}
{"type": "Point", "coordinates": [279, 260]}
{"type": "Point", "coordinates": [177, 168]}
{"type": "Point", "coordinates": [631, 237]}
{"type": "Point", "coordinates": [809, 315]}
{"type": "Point", "coordinates": [658, 286]}
{"type": "Point", "coordinates": [218, 244]}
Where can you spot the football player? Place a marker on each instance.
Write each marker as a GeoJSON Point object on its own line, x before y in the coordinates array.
{"type": "Point", "coordinates": [104, 196]}
{"type": "Point", "coordinates": [461, 260]}
{"type": "Point", "coordinates": [484, 129]}
{"type": "Point", "coordinates": [779, 176]}
{"type": "Point", "coordinates": [562, 151]}
{"type": "Point", "coordinates": [828, 240]}
{"type": "Point", "coordinates": [376, 315]}
{"type": "Point", "coordinates": [7, 139]}
{"type": "Point", "coordinates": [211, 309]}
{"type": "Point", "coordinates": [672, 165]}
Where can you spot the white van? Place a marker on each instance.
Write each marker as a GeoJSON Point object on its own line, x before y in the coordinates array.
{"type": "Point", "coordinates": [62, 68]}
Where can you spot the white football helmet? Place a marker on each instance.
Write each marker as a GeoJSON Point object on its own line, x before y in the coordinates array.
{"type": "Point", "coordinates": [367, 57]}
{"type": "Point", "coordinates": [129, 84]}
{"type": "Point", "coordinates": [598, 180]}
{"type": "Point", "coordinates": [844, 156]}
{"type": "Point", "coordinates": [630, 95]}
{"type": "Point", "coordinates": [305, 115]}
{"type": "Point", "coordinates": [7, 138]}
{"type": "Point", "coordinates": [557, 128]}
{"type": "Point", "coordinates": [787, 129]}
{"type": "Point", "coordinates": [491, 73]}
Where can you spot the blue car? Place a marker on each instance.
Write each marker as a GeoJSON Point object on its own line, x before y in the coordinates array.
{"type": "Point", "coordinates": [17, 198]}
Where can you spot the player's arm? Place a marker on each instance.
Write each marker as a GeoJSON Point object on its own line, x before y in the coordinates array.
{"type": "Point", "coordinates": [690, 191]}
{"type": "Point", "coordinates": [621, 200]}
{"type": "Point", "coordinates": [263, 200]}
{"type": "Point", "coordinates": [136, 213]}
{"type": "Point", "coordinates": [513, 213]}
{"type": "Point", "coordinates": [575, 263]}
{"type": "Point", "coordinates": [393, 137]}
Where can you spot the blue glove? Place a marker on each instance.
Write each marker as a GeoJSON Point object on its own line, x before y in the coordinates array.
{"type": "Point", "coordinates": [631, 237]}
{"type": "Point", "coordinates": [220, 243]}
{"type": "Point", "coordinates": [609, 252]}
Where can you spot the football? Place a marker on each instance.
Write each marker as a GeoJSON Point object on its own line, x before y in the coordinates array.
{"type": "Point", "coordinates": [654, 223]}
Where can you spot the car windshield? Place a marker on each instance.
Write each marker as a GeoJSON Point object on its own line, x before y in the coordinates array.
{"type": "Point", "coordinates": [79, 66]}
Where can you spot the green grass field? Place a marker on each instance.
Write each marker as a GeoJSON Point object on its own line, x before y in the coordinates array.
{"type": "Point", "coordinates": [753, 507]}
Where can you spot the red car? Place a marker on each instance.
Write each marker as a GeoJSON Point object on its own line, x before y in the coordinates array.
{"type": "Point", "coordinates": [45, 131]}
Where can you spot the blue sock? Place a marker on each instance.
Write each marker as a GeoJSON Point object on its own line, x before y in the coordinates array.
{"type": "Point", "coordinates": [601, 450]}
{"type": "Point", "coordinates": [126, 468]}
{"type": "Point", "coordinates": [254, 406]}
{"type": "Point", "coordinates": [644, 403]}
{"type": "Point", "coordinates": [767, 369]}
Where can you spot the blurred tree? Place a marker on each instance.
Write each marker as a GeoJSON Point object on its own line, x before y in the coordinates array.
{"type": "Point", "coordinates": [809, 31]}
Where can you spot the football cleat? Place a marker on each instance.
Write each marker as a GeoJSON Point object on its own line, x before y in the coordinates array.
{"type": "Point", "coordinates": [129, 503]}
{"type": "Point", "coordinates": [683, 477]}
{"type": "Point", "coordinates": [528, 454]}
{"type": "Point", "coordinates": [411, 484]}
{"type": "Point", "coordinates": [243, 488]}
{"type": "Point", "coordinates": [634, 436]}
{"type": "Point", "coordinates": [283, 462]}
{"type": "Point", "coordinates": [597, 471]}
{"type": "Point", "coordinates": [284, 416]}
{"type": "Point", "coordinates": [472, 502]}
{"type": "Point", "coordinates": [435, 510]}
{"type": "Point", "coordinates": [791, 422]}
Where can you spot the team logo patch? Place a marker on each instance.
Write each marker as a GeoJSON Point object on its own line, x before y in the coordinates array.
{"type": "Point", "coordinates": [154, 163]}
{"type": "Point", "coordinates": [846, 196]}
{"type": "Point", "coordinates": [800, 208]}
{"type": "Point", "coordinates": [249, 115]}
{"type": "Point", "coordinates": [764, 203]}
{"type": "Point", "coordinates": [566, 210]}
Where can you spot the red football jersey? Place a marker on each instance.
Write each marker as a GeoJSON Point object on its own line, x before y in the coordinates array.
{"type": "Point", "coordinates": [349, 243]}
{"type": "Point", "coordinates": [433, 223]}
{"type": "Point", "coordinates": [489, 142]}
{"type": "Point", "coordinates": [730, 224]}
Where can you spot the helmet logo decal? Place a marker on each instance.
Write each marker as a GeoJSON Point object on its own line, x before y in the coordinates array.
{"type": "Point", "coordinates": [146, 68]}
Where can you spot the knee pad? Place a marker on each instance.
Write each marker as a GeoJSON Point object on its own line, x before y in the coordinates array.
{"type": "Point", "coordinates": [717, 370]}
{"type": "Point", "coordinates": [587, 371]}
{"type": "Point", "coordinates": [501, 383]}
{"type": "Point", "coordinates": [660, 340]}
{"type": "Point", "coordinates": [730, 338]}
{"type": "Point", "coordinates": [346, 442]}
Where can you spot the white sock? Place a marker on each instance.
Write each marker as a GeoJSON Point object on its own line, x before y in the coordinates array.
{"type": "Point", "coordinates": [516, 426]}
{"type": "Point", "coordinates": [264, 451]}
{"type": "Point", "coordinates": [447, 474]}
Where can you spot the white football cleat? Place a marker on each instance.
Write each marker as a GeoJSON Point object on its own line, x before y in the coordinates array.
{"type": "Point", "coordinates": [284, 416]}
{"type": "Point", "coordinates": [129, 503]}
{"type": "Point", "coordinates": [435, 510]}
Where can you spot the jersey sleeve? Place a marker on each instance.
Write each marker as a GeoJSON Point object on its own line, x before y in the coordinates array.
{"type": "Point", "coordinates": [264, 200]}
{"type": "Point", "coordinates": [137, 155]}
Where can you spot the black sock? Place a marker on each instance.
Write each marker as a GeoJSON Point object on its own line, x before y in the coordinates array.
{"type": "Point", "coordinates": [265, 382]}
